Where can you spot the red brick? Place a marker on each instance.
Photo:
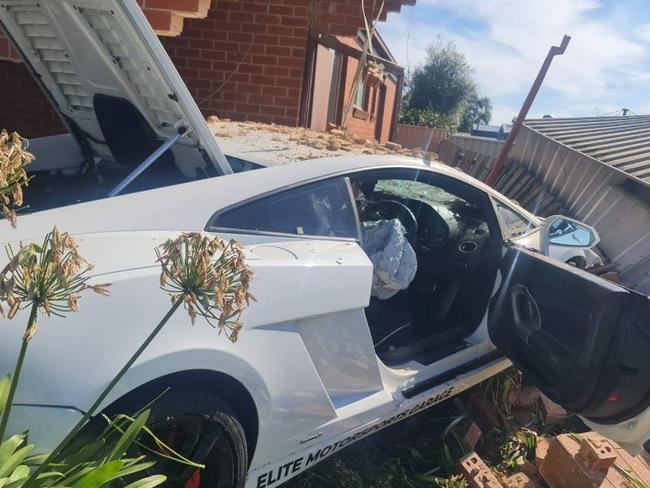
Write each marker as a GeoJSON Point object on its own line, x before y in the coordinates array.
{"type": "Point", "coordinates": [274, 90]}
{"type": "Point", "coordinates": [477, 473]}
{"type": "Point", "coordinates": [597, 452]}
{"type": "Point", "coordinates": [281, 10]}
{"type": "Point", "coordinates": [243, 17]}
{"type": "Point", "coordinates": [251, 68]}
{"type": "Point", "coordinates": [254, 7]}
{"type": "Point", "coordinates": [278, 51]}
{"type": "Point", "coordinates": [263, 80]}
{"type": "Point", "coordinates": [231, 5]}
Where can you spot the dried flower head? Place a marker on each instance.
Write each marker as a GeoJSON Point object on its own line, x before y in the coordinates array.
{"type": "Point", "coordinates": [50, 275]}
{"type": "Point", "coordinates": [210, 277]}
{"type": "Point", "coordinates": [13, 177]}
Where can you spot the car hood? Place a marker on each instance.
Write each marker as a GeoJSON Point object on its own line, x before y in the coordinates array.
{"type": "Point", "coordinates": [111, 81]}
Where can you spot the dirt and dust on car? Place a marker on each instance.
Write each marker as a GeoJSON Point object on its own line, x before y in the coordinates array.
{"type": "Point", "coordinates": [277, 144]}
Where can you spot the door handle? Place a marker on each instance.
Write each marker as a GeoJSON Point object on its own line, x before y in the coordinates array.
{"type": "Point", "coordinates": [525, 312]}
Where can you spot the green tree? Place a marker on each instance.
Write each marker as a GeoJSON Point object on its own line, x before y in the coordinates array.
{"type": "Point", "coordinates": [477, 109]}
{"type": "Point", "coordinates": [444, 82]}
{"type": "Point", "coordinates": [444, 85]}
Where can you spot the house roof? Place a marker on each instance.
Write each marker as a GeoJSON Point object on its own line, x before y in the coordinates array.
{"type": "Point", "coordinates": [620, 142]}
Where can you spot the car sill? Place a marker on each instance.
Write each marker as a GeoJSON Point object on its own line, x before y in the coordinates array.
{"type": "Point", "coordinates": [424, 385]}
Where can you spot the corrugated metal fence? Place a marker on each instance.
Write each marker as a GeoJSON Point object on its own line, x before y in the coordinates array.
{"type": "Point", "coordinates": [547, 178]}
{"type": "Point", "coordinates": [591, 191]}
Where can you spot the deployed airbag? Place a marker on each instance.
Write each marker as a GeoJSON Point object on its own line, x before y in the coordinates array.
{"type": "Point", "coordinates": [394, 261]}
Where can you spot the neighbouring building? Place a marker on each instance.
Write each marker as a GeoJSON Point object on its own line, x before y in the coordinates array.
{"type": "Point", "coordinates": [499, 132]}
{"type": "Point", "coordinates": [599, 168]}
{"type": "Point", "coordinates": [374, 112]}
{"type": "Point", "coordinates": [289, 62]}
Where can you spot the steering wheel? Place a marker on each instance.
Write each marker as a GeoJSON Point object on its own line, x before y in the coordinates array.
{"type": "Point", "coordinates": [392, 209]}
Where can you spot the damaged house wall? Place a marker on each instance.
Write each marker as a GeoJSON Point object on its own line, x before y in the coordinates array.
{"type": "Point", "coordinates": [614, 202]}
{"type": "Point", "coordinates": [241, 59]}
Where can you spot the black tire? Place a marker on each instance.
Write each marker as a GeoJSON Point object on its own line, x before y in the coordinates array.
{"type": "Point", "coordinates": [203, 428]}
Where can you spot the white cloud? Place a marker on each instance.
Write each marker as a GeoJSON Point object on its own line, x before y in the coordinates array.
{"type": "Point", "coordinates": [643, 32]}
{"type": "Point", "coordinates": [602, 65]}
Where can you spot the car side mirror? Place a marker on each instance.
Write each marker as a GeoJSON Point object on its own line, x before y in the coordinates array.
{"type": "Point", "coordinates": [564, 231]}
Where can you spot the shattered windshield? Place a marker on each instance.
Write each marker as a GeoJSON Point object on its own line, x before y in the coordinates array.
{"type": "Point", "coordinates": [433, 195]}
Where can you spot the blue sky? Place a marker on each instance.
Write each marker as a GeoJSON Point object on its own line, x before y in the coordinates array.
{"type": "Point", "coordinates": [605, 68]}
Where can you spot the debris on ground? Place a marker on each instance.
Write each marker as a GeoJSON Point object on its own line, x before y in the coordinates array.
{"type": "Point", "coordinates": [590, 460]}
{"type": "Point", "coordinates": [271, 144]}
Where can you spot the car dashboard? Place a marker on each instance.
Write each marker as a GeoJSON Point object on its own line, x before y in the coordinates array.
{"type": "Point", "coordinates": [451, 233]}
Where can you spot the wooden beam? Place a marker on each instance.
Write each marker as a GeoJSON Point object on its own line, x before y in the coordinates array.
{"type": "Point", "coordinates": [333, 43]}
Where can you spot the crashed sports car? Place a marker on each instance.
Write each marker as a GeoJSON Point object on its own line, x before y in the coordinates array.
{"type": "Point", "coordinates": [384, 285]}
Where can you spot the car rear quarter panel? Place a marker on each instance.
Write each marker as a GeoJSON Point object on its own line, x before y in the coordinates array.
{"type": "Point", "coordinates": [72, 359]}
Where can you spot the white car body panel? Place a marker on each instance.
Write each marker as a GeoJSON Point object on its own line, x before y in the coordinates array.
{"type": "Point", "coordinates": [326, 282]}
{"type": "Point", "coordinates": [305, 354]}
{"type": "Point", "coordinates": [295, 360]}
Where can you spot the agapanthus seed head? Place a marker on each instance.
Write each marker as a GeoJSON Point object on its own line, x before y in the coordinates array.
{"type": "Point", "coordinates": [50, 275]}
{"type": "Point", "coordinates": [13, 177]}
{"type": "Point", "coordinates": [209, 276]}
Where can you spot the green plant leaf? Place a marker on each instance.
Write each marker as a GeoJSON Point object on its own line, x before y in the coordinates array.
{"type": "Point", "coordinates": [83, 454]}
{"type": "Point", "coordinates": [13, 461]}
{"type": "Point", "coordinates": [5, 384]}
{"type": "Point", "coordinates": [637, 483]}
{"type": "Point", "coordinates": [129, 436]}
{"type": "Point", "coordinates": [134, 468]}
{"type": "Point", "coordinates": [8, 447]}
{"type": "Point", "coordinates": [98, 477]}
{"type": "Point", "coordinates": [172, 456]}
{"type": "Point", "coordinates": [17, 477]}
{"type": "Point", "coordinates": [49, 474]}
{"type": "Point", "coordinates": [149, 482]}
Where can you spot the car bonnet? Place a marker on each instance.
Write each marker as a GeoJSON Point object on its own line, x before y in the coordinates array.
{"type": "Point", "coordinates": [106, 73]}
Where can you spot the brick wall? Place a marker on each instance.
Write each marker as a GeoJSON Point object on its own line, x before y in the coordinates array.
{"type": "Point", "coordinates": [245, 60]}
{"type": "Point", "coordinates": [23, 106]}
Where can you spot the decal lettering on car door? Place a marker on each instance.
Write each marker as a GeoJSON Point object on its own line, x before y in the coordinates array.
{"type": "Point", "coordinates": [281, 472]}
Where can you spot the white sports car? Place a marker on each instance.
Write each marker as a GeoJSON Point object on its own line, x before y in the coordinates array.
{"type": "Point", "coordinates": [383, 285]}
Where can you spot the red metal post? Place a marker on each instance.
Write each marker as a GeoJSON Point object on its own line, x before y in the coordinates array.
{"type": "Point", "coordinates": [500, 162]}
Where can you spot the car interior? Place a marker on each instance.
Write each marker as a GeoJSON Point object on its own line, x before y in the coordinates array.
{"type": "Point", "coordinates": [452, 230]}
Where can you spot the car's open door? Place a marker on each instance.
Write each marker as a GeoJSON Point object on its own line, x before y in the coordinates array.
{"type": "Point", "coordinates": [584, 341]}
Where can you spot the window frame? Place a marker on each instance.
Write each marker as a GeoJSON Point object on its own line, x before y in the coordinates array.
{"type": "Point", "coordinates": [496, 202]}
{"type": "Point", "coordinates": [493, 220]}
{"type": "Point", "coordinates": [211, 227]}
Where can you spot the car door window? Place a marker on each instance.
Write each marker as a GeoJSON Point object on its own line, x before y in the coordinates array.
{"type": "Point", "coordinates": [514, 225]}
{"type": "Point", "coordinates": [323, 208]}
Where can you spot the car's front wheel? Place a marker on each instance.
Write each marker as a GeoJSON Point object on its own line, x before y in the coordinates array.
{"type": "Point", "coordinates": [203, 428]}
